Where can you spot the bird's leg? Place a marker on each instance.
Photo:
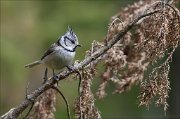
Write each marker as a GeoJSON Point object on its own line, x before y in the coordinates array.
{"type": "Point", "coordinates": [45, 75]}
{"type": "Point", "coordinates": [55, 77]}
{"type": "Point", "coordinates": [53, 72]}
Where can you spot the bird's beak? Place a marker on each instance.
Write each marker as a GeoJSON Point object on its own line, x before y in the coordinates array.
{"type": "Point", "coordinates": [78, 45]}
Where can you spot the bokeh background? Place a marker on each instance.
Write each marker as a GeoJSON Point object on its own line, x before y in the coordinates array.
{"type": "Point", "coordinates": [29, 27]}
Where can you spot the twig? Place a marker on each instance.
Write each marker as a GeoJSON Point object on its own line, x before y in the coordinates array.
{"type": "Point", "coordinates": [79, 84]}
{"type": "Point", "coordinates": [29, 110]}
{"type": "Point", "coordinates": [50, 83]}
{"type": "Point", "coordinates": [27, 92]}
{"type": "Point", "coordinates": [65, 100]}
{"type": "Point", "coordinates": [79, 90]}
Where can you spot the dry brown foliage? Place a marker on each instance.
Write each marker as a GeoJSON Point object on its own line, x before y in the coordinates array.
{"type": "Point", "coordinates": [84, 105]}
{"type": "Point", "coordinates": [44, 107]}
{"type": "Point", "coordinates": [153, 38]}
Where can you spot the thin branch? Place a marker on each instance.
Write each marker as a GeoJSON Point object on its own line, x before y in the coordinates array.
{"type": "Point", "coordinates": [64, 98]}
{"type": "Point", "coordinates": [27, 92]}
{"type": "Point", "coordinates": [29, 111]}
{"type": "Point", "coordinates": [15, 112]}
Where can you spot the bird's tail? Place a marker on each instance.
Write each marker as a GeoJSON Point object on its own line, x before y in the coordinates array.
{"type": "Point", "coordinates": [33, 64]}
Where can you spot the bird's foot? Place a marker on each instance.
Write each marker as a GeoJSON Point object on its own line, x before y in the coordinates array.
{"type": "Point", "coordinates": [56, 79]}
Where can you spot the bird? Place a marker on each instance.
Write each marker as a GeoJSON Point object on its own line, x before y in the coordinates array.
{"type": "Point", "coordinates": [60, 54]}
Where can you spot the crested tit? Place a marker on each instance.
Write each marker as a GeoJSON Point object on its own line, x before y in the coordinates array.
{"type": "Point", "coordinates": [60, 54]}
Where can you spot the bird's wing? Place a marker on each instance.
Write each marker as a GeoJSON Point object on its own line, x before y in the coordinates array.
{"type": "Point", "coordinates": [50, 50]}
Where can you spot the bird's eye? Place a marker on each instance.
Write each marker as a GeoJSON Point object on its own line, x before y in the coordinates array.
{"type": "Point", "coordinates": [72, 41]}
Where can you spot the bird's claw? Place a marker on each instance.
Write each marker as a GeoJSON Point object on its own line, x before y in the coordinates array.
{"type": "Point", "coordinates": [56, 79]}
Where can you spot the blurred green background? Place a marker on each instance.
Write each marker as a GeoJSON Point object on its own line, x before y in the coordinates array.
{"type": "Point", "coordinates": [27, 30]}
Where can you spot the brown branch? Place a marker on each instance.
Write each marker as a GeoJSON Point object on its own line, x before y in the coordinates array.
{"type": "Point", "coordinates": [15, 112]}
